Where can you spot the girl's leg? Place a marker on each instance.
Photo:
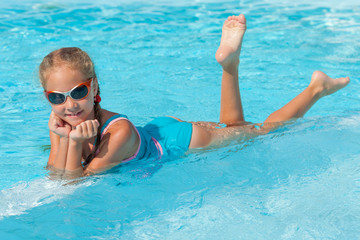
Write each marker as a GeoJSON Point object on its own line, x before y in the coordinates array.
{"type": "Point", "coordinates": [320, 85]}
{"type": "Point", "coordinates": [231, 111]}
{"type": "Point", "coordinates": [228, 53]}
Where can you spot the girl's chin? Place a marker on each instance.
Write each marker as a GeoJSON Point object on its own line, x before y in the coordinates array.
{"type": "Point", "coordinates": [74, 122]}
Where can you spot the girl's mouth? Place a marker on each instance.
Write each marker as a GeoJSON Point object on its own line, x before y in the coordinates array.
{"type": "Point", "coordinates": [74, 114]}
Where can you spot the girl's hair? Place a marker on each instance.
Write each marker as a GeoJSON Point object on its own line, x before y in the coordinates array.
{"type": "Point", "coordinates": [75, 59]}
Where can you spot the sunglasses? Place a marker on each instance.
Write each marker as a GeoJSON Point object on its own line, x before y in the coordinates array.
{"type": "Point", "coordinates": [78, 92]}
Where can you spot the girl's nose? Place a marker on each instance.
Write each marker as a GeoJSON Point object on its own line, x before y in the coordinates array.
{"type": "Point", "coordinates": [70, 103]}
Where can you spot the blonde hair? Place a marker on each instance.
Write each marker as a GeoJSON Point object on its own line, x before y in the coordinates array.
{"type": "Point", "coordinates": [76, 59]}
{"type": "Point", "coordinates": [72, 57]}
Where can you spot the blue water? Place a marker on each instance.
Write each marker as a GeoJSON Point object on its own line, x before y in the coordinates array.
{"type": "Point", "coordinates": [154, 59]}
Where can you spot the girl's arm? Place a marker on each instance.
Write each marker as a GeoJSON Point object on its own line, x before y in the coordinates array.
{"type": "Point", "coordinates": [58, 152]}
{"type": "Point", "coordinates": [120, 142]}
{"type": "Point", "coordinates": [77, 136]}
{"type": "Point", "coordinates": [59, 139]}
{"type": "Point", "coordinates": [55, 141]}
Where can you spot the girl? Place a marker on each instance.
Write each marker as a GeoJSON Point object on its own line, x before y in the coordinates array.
{"type": "Point", "coordinates": [87, 139]}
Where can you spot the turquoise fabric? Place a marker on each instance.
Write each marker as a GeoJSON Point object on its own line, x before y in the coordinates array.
{"type": "Point", "coordinates": [174, 136]}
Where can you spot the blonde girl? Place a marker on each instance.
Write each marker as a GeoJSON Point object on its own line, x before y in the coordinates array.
{"type": "Point", "coordinates": [87, 139]}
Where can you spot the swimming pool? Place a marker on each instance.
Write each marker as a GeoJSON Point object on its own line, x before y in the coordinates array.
{"type": "Point", "coordinates": [156, 59]}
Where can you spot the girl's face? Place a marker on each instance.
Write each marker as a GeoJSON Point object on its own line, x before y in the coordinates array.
{"type": "Point", "coordinates": [74, 112]}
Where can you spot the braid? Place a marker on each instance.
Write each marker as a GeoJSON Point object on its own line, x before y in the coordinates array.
{"type": "Point", "coordinates": [98, 116]}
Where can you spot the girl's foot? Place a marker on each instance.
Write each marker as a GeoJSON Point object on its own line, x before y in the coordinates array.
{"type": "Point", "coordinates": [325, 85]}
{"type": "Point", "coordinates": [233, 31]}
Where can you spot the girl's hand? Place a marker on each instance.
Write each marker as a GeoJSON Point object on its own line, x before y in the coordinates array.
{"type": "Point", "coordinates": [58, 126]}
{"type": "Point", "coordinates": [84, 130]}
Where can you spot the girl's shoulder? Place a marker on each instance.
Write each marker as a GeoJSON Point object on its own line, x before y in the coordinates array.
{"type": "Point", "coordinates": [113, 121]}
{"type": "Point", "coordinates": [118, 141]}
{"type": "Point", "coordinates": [106, 115]}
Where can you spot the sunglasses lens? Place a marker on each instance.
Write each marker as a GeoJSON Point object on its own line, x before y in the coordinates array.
{"type": "Point", "coordinates": [79, 92]}
{"type": "Point", "coordinates": [56, 98]}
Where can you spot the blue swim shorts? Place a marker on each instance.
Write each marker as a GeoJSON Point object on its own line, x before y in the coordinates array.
{"type": "Point", "coordinates": [174, 136]}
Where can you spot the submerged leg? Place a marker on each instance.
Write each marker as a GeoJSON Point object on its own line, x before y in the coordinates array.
{"type": "Point", "coordinates": [321, 85]}
{"type": "Point", "coordinates": [228, 53]}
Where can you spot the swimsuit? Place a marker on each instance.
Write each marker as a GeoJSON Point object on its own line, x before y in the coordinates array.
{"type": "Point", "coordinates": [163, 136]}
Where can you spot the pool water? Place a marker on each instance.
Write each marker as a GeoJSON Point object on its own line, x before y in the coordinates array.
{"type": "Point", "coordinates": [154, 59]}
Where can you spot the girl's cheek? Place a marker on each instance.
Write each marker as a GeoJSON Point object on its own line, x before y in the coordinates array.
{"type": "Point", "coordinates": [57, 110]}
